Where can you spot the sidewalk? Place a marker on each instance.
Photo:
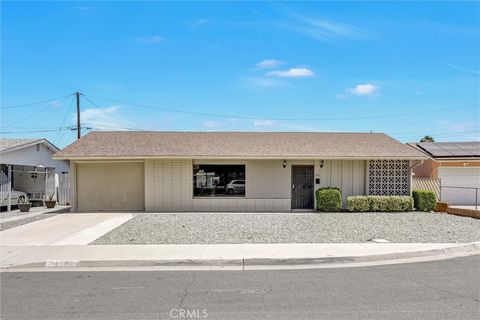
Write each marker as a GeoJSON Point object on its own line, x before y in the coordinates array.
{"type": "Point", "coordinates": [230, 256]}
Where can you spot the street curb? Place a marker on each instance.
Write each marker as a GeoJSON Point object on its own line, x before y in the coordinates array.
{"type": "Point", "coordinates": [467, 249]}
{"type": "Point", "coordinates": [442, 253]}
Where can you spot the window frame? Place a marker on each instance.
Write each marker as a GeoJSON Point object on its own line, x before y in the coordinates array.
{"type": "Point", "coordinates": [225, 196]}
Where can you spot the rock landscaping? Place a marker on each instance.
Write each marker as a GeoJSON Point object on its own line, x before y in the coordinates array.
{"type": "Point", "coordinates": [336, 227]}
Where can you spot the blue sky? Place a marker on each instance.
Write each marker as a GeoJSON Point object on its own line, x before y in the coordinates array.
{"type": "Point", "coordinates": [404, 68]}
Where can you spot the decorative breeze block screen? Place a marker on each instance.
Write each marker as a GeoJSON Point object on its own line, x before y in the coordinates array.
{"type": "Point", "coordinates": [388, 177]}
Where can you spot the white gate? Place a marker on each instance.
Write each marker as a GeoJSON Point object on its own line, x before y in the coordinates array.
{"type": "Point", "coordinates": [63, 192]}
{"type": "Point", "coordinates": [4, 188]}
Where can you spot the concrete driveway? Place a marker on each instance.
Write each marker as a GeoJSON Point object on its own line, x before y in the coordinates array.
{"type": "Point", "coordinates": [64, 229]}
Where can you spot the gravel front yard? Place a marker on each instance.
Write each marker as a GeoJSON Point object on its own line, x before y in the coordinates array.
{"type": "Point", "coordinates": [151, 228]}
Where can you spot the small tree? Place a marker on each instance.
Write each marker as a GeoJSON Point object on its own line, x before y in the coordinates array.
{"type": "Point", "coordinates": [427, 139]}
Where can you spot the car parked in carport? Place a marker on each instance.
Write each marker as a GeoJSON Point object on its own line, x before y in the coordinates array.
{"type": "Point", "coordinates": [15, 195]}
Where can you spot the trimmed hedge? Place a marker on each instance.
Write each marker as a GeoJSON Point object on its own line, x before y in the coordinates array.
{"type": "Point", "coordinates": [379, 203]}
{"type": "Point", "coordinates": [424, 200]}
{"type": "Point", "coordinates": [329, 199]}
{"type": "Point", "coordinates": [358, 203]}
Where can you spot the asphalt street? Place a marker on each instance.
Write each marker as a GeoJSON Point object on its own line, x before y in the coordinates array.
{"type": "Point", "coordinates": [448, 289]}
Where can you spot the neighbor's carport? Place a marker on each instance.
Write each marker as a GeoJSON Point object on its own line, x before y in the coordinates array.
{"type": "Point", "coordinates": [110, 186]}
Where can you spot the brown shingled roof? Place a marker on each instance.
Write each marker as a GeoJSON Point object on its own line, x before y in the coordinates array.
{"type": "Point", "coordinates": [144, 144]}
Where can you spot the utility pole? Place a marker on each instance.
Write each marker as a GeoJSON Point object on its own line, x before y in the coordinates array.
{"type": "Point", "coordinates": [79, 134]}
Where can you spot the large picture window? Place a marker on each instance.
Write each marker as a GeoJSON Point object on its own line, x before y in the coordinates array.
{"type": "Point", "coordinates": [215, 180]}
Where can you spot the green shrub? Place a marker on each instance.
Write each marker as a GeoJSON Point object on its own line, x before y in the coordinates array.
{"type": "Point", "coordinates": [424, 200]}
{"type": "Point", "coordinates": [358, 203]}
{"type": "Point", "coordinates": [379, 203]}
{"type": "Point", "coordinates": [400, 203]}
{"type": "Point", "coordinates": [329, 199]}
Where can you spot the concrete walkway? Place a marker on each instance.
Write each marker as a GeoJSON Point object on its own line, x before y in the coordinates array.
{"type": "Point", "coordinates": [34, 211]}
{"type": "Point", "coordinates": [64, 229]}
{"type": "Point", "coordinates": [236, 256]}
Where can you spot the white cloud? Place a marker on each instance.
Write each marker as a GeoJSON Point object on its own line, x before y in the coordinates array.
{"type": "Point", "coordinates": [341, 96]}
{"type": "Point", "coordinates": [199, 23]}
{"type": "Point", "coordinates": [456, 126]}
{"type": "Point", "coordinates": [150, 39]}
{"type": "Point", "coordinates": [363, 89]}
{"type": "Point", "coordinates": [462, 69]}
{"type": "Point", "coordinates": [105, 119]}
{"type": "Point", "coordinates": [210, 124]}
{"type": "Point", "coordinates": [263, 123]}
{"type": "Point", "coordinates": [322, 29]}
{"type": "Point", "coordinates": [291, 73]}
{"type": "Point", "coordinates": [259, 82]}
{"type": "Point", "coordinates": [269, 63]}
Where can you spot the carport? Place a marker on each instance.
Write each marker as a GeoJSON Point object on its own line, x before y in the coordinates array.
{"type": "Point", "coordinates": [37, 181]}
{"type": "Point", "coordinates": [27, 167]}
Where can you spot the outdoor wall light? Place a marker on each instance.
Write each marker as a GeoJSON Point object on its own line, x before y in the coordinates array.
{"type": "Point", "coordinates": [322, 163]}
{"type": "Point", "coordinates": [284, 163]}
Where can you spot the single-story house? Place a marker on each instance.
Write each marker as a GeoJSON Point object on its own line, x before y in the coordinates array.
{"type": "Point", "coordinates": [27, 167]}
{"type": "Point", "coordinates": [456, 165]}
{"type": "Point", "coordinates": [232, 171]}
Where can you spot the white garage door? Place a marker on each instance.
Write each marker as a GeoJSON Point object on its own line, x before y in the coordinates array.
{"type": "Point", "coordinates": [459, 177]}
{"type": "Point", "coordinates": [110, 186]}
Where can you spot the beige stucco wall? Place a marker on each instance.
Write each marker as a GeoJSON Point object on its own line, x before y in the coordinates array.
{"type": "Point", "coordinates": [348, 175]}
{"type": "Point", "coordinates": [169, 186]}
{"type": "Point", "coordinates": [110, 186]}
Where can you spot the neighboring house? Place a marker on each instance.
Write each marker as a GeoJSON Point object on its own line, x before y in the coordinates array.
{"type": "Point", "coordinates": [27, 167]}
{"type": "Point", "coordinates": [456, 164]}
{"type": "Point", "coordinates": [264, 171]}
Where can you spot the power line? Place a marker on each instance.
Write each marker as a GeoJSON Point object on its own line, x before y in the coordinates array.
{"type": "Point", "coordinates": [34, 103]}
{"type": "Point", "coordinates": [28, 116]}
{"type": "Point", "coordinates": [216, 115]}
{"type": "Point", "coordinates": [119, 121]}
{"type": "Point", "coordinates": [113, 127]}
{"type": "Point", "coordinates": [36, 112]}
{"type": "Point", "coordinates": [67, 112]}
{"type": "Point", "coordinates": [450, 133]}
{"type": "Point", "coordinates": [35, 131]}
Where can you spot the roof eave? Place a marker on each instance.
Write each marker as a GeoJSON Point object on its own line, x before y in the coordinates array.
{"type": "Point", "coordinates": [32, 143]}
{"type": "Point", "coordinates": [236, 157]}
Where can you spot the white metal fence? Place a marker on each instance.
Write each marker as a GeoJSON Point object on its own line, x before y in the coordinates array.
{"type": "Point", "coordinates": [63, 191]}
{"type": "Point", "coordinates": [460, 196]}
{"type": "Point", "coordinates": [4, 188]}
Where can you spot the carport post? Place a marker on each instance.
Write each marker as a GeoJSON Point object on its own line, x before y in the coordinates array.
{"type": "Point", "coordinates": [46, 184]}
{"type": "Point", "coordinates": [9, 205]}
{"type": "Point", "coordinates": [476, 198]}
